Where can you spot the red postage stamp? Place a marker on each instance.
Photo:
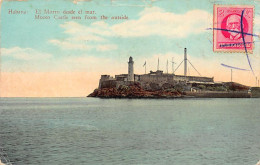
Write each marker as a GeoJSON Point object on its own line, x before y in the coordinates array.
{"type": "Point", "coordinates": [233, 28]}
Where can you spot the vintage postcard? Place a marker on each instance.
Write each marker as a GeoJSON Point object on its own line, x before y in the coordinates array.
{"type": "Point", "coordinates": [233, 28]}
{"type": "Point", "coordinates": [129, 82]}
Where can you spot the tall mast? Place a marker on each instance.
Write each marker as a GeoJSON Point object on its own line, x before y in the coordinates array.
{"type": "Point", "coordinates": [172, 66]}
{"type": "Point", "coordinates": [158, 64]}
{"type": "Point", "coordinates": [185, 61]}
{"type": "Point", "coordinates": [231, 76]}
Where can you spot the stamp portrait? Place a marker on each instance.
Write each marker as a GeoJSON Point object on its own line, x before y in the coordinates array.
{"type": "Point", "coordinates": [233, 28]}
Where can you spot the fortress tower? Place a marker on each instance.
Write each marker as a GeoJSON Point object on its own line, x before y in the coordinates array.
{"type": "Point", "coordinates": [130, 76]}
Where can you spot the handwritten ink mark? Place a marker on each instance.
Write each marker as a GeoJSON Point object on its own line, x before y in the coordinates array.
{"type": "Point", "coordinates": [232, 67]}
{"type": "Point", "coordinates": [242, 32]}
{"type": "Point", "coordinates": [255, 35]}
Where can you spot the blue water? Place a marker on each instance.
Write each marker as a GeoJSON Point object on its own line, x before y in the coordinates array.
{"type": "Point", "coordinates": [58, 131]}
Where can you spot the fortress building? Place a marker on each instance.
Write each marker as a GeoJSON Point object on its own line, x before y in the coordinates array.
{"type": "Point", "coordinates": [157, 78]}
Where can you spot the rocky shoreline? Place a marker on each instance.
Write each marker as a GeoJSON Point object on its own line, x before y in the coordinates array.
{"type": "Point", "coordinates": [134, 91]}
{"type": "Point", "coordinates": [231, 90]}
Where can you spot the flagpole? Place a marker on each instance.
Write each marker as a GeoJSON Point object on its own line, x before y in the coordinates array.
{"type": "Point", "coordinates": [145, 67]}
{"type": "Point", "coordinates": [167, 66]}
{"type": "Point", "coordinates": [172, 66]}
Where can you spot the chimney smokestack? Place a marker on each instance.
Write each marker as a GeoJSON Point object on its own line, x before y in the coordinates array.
{"type": "Point", "coordinates": [185, 61]}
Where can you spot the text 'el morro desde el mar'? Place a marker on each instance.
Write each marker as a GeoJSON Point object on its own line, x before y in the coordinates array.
{"type": "Point", "coordinates": [81, 14]}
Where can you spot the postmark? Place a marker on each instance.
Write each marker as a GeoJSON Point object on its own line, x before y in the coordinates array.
{"type": "Point", "coordinates": [233, 28]}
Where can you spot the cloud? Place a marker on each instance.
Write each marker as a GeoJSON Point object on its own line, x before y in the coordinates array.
{"type": "Point", "coordinates": [72, 44]}
{"type": "Point", "coordinates": [107, 47]}
{"type": "Point", "coordinates": [156, 21]}
{"type": "Point", "coordinates": [96, 28]}
{"type": "Point", "coordinates": [152, 21]}
{"type": "Point", "coordinates": [85, 38]}
{"type": "Point", "coordinates": [24, 53]}
{"type": "Point", "coordinates": [89, 63]}
{"type": "Point", "coordinates": [68, 44]}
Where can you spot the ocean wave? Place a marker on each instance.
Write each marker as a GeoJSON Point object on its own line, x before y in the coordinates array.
{"type": "Point", "coordinates": [86, 127]}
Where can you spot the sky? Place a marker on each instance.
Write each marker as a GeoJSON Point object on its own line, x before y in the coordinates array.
{"type": "Point", "coordinates": [65, 57]}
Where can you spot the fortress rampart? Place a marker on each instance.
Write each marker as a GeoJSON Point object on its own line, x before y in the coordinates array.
{"type": "Point", "coordinates": [157, 77]}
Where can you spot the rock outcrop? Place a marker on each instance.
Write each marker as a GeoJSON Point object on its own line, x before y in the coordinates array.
{"type": "Point", "coordinates": [134, 91]}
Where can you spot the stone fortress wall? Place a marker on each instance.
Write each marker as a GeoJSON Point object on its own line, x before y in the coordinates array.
{"type": "Point", "coordinates": [157, 77]}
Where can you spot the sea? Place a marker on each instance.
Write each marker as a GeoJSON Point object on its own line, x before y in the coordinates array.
{"type": "Point", "coordinates": [93, 131]}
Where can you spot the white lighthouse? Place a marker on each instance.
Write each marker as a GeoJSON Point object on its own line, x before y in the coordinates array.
{"type": "Point", "coordinates": [130, 76]}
